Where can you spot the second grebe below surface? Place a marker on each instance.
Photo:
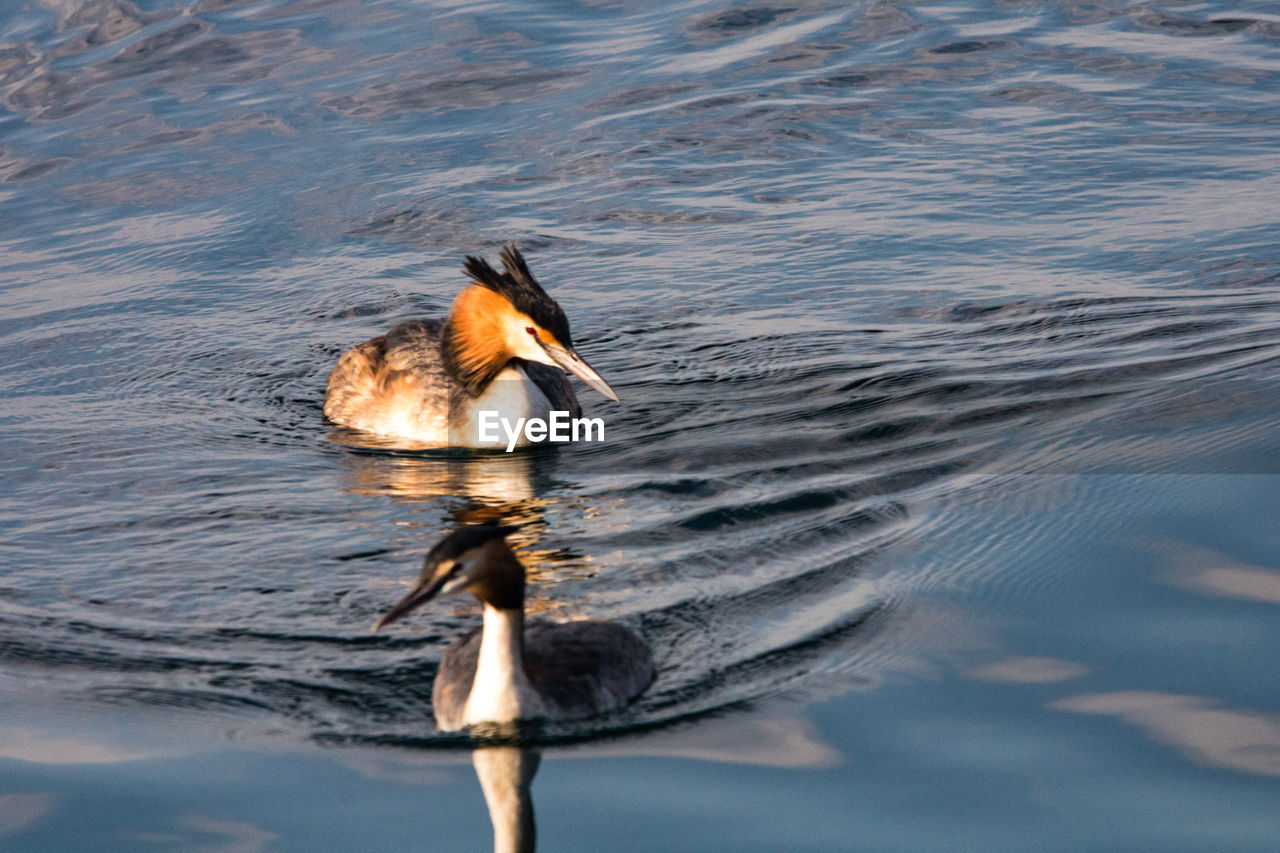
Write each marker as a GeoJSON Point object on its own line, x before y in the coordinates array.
{"type": "Point", "coordinates": [505, 348]}
{"type": "Point", "coordinates": [508, 670]}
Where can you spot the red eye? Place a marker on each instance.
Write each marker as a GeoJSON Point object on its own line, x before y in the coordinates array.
{"type": "Point", "coordinates": [531, 330]}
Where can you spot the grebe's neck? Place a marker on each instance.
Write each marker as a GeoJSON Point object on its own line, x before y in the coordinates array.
{"type": "Point", "coordinates": [501, 692]}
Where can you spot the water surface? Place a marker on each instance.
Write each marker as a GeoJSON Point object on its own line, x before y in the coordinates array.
{"type": "Point", "coordinates": [943, 483]}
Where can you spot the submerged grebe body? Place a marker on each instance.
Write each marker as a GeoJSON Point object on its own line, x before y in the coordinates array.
{"type": "Point", "coordinates": [505, 348]}
{"type": "Point", "coordinates": [508, 670]}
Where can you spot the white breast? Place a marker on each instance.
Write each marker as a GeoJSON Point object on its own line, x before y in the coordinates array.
{"type": "Point", "coordinates": [512, 395]}
{"type": "Point", "coordinates": [500, 692]}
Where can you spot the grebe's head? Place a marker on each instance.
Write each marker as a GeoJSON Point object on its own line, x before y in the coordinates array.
{"type": "Point", "coordinates": [508, 315]}
{"type": "Point", "coordinates": [474, 559]}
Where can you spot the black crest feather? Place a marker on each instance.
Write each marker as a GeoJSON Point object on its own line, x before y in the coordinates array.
{"type": "Point", "coordinates": [465, 539]}
{"type": "Point", "coordinates": [521, 289]}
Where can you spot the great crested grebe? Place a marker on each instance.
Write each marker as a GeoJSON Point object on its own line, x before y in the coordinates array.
{"type": "Point", "coordinates": [508, 670]}
{"type": "Point", "coordinates": [501, 349]}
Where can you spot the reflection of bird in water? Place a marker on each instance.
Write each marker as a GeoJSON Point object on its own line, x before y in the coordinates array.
{"type": "Point", "coordinates": [503, 482]}
{"type": "Point", "coordinates": [506, 775]}
{"type": "Point", "coordinates": [507, 670]}
{"type": "Point", "coordinates": [501, 349]}
{"type": "Point", "coordinates": [475, 488]}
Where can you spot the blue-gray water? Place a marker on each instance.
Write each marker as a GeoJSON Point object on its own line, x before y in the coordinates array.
{"type": "Point", "coordinates": [944, 483]}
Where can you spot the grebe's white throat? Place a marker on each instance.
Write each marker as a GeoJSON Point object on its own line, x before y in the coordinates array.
{"type": "Point", "coordinates": [500, 690]}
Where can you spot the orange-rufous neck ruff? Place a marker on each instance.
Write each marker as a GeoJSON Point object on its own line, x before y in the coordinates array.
{"type": "Point", "coordinates": [475, 346]}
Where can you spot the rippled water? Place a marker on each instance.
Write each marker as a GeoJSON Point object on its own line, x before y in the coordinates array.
{"type": "Point", "coordinates": [879, 286]}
